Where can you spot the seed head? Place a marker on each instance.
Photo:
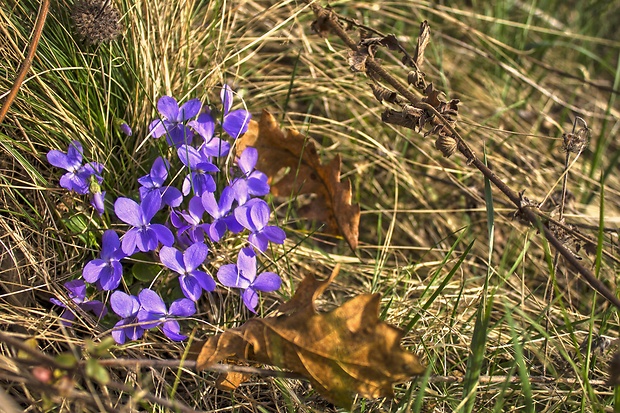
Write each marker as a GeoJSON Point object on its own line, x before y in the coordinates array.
{"type": "Point", "coordinates": [576, 142]}
{"type": "Point", "coordinates": [96, 21]}
{"type": "Point", "coordinates": [446, 144]}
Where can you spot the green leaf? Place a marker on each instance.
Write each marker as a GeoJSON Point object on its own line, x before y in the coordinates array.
{"type": "Point", "coordinates": [145, 272]}
{"type": "Point", "coordinates": [95, 371]}
{"type": "Point", "coordinates": [66, 360]}
{"type": "Point", "coordinates": [77, 223]}
{"type": "Point", "coordinates": [101, 349]}
{"type": "Point", "coordinates": [478, 344]}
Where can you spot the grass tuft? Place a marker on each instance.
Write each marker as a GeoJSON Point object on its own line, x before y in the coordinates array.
{"type": "Point", "coordinates": [469, 283]}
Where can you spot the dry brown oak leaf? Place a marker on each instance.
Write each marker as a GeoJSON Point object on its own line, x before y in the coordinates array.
{"type": "Point", "coordinates": [342, 352]}
{"type": "Point", "coordinates": [307, 175]}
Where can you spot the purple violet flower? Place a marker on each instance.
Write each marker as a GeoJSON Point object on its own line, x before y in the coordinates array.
{"type": "Point", "coordinates": [192, 280]}
{"type": "Point", "coordinates": [253, 182]}
{"type": "Point", "coordinates": [220, 212]}
{"type": "Point", "coordinates": [144, 236]}
{"type": "Point", "coordinates": [154, 313]}
{"type": "Point", "coordinates": [126, 306]}
{"type": "Point", "coordinates": [235, 123]}
{"type": "Point", "coordinates": [212, 146]}
{"type": "Point", "coordinates": [97, 201]}
{"type": "Point", "coordinates": [78, 177]}
{"type": "Point", "coordinates": [126, 129]}
{"type": "Point", "coordinates": [92, 173]}
{"type": "Point", "coordinates": [193, 228]}
{"type": "Point", "coordinates": [154, 181]}
{"type": "Point", "coordinates": [107, 270]}
{"type": "Point", "coordinates": [97, 196]}
{"type": "Point", "coordinates": [77, 294]}
{"type": "Point", "coordinates": [178, 222]}
{"type": "Point", "coordinates": [199, 165]}
{"type": "Point", "coordinates": [243, 276]}
{"type": "Point", "coordinates": [254, 215]}
{"type": "Point", "coordinates": [172, 125]}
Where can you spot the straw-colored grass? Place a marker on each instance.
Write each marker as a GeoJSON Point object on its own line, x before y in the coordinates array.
{"type": "Point", "coordinates": [522, 72]}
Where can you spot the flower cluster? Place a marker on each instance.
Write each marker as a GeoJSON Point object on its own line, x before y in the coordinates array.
{"type": "Point", "coordinates": [79, 178]}
{"type": "Point", "coordinates": [195, 217]}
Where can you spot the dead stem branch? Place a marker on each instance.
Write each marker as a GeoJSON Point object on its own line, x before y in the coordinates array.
{"type": "Point", "coordinates": [328, 20]}
{"type": "Point", "coordinates": [191, 364]}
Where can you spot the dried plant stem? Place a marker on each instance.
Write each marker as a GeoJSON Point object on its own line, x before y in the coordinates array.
{"type": "Point", "coordinates": [42, 358]}
{"type": "Point", "coordinates": [217, 368]}
{"type": "Point", "coordinates": [517, 380]}
{"type": "Point", "coordinates": [25, 66]}
{"type": "Point", "coordinates": [330, 18]}
{"type": "Point", "coordinates": [8, 403]}
{"type": "Point", "coordinates": [53, 391]}
{"type": "Point", "coordinates": [145, 395]}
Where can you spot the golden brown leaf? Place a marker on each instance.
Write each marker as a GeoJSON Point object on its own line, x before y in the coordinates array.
{"type": "Point", "coordinates": [230, 381]}
{"type": "Point", "coordinates": [307, 175]}
{"type": "Point", "coordinates": [343, 352]}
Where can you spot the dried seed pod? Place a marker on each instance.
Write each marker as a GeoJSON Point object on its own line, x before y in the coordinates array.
{"type": "Point", "coordinates": [411, 110]}
{"type": "Point", "coordinates": [383, 93]}
{"type": "Point", "coordinates": [576, 142]}
{"type": "Point", "coordinates": [395, 117]}
{"type": "Point", "coordinates": [437, 130]}
{"type": "Point", "coordinates": [446, 144]}
{"type": "Point", "coordinates": [96, 21]}
{"type": "Point", "coordinates": [449, 110]}
{"type": "Point", "coordinates": [357, 60]}
{"type": "Point", "coordinates": [423, 39]}
{"type": "Point", "coordinates": [324, 20]}
{"type": "Point", "coordinates": [416, 78]}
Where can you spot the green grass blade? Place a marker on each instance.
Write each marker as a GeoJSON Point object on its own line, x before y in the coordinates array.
{"type": "Point", "coordinates": [526, 387]}
{"type": "Point", "coordinates": [483, 316]}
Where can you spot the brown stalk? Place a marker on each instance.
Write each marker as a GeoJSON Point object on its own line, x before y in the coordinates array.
{"type": "Point", "coordinates": [330, 18]}
{"type": "Point", "coordinates": [25, 66]}
{"type": "Point", "coordinates": [191, 364]}
{"type": "Point", "coordinates": [483, 380]}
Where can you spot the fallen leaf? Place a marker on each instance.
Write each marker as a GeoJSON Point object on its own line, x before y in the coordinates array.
{"type": "Point", "coordinates": [307, 175]}
{"type": "Point", "coordinates": [231, 380]}
{"type": "Point", "coordinates": [342, 352]}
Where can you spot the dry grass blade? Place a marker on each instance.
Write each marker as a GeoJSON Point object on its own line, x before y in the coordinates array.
{"type": "Point", "coordinates": [331, 19]}
{"type": "Point", "coordinates": [522, 73]}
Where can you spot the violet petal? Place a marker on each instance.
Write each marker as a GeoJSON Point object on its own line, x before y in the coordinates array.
{"type": "Point", "coordinates": [152, 302]}
{"type": "Point", "coordinates": [182, 307]}
{"type": "Point", "coordinates": [171, 330]}
{"type": "Point", "coordinates": [128, 211]}
{"type": "Point", "coordinates": [267, 281]}
{"type": "Point", "coordinates": [168, 106]}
